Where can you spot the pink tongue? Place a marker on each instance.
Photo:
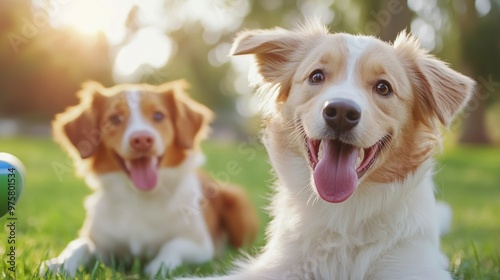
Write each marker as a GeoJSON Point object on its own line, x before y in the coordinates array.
{"type": "Point", "coordinates": [143, 173]}
{"type": "Point", "coordinates": [335, 176]}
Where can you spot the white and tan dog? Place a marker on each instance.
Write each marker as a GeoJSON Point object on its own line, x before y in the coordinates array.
{"type": "Point", "coordinates": [137, 147]}
{"type": "Point", "coordinates": [351, 129]}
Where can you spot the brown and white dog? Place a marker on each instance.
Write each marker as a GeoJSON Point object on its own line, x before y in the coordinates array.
{"type": "Point", "coordinates": [351, 131]}
{"type": "Point", "coordinates": [137, 147]}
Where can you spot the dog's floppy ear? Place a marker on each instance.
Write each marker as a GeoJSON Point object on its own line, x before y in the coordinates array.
{"type": "Point", "coordinates": [78, 127]}
{"type": "Point", "coordinates": [441, 91]}
{"type": "Point", "coordinates": [278, 51]}
{"type": "Point", "coordinates": [190, 118]}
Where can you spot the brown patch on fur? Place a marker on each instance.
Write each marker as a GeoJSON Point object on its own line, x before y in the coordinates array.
{"type": "Point", "coordinates": [80, 129]}
{"type": "Point", "coordinates": [188, 117]}
{"type": "Point", "coordinates": [104, 159]}
{"type": "Point", "coordinates": [333, 60]}
{"type": "Point", "coordinates": [189, 121]}
{"type": "Point", "coordinates": [416, 144]}
{"type": "Point", "coordinates": [72, 128]}
{"type": "Point", "coordinates": [439, 93]}
{"type": "Point", "coordinates": [228, 211]}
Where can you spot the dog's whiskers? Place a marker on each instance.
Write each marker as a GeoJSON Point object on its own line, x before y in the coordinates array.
{"type": "Point", "coordinates": [295, 136]}
{"type": "Point", "coordinates": [312, 197]}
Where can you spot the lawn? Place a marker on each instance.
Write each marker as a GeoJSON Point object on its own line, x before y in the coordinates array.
{"type": "Point", "coordinates": [50, 211]}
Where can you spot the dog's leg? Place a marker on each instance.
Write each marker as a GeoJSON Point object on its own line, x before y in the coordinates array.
{"type": "Point", "coordinates": [178, 251]}
{"type": "Point", "coordinates": [78, 252]}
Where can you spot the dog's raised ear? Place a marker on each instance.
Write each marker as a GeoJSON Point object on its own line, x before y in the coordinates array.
{"type": "Point", "coordinates": [273, 50]}
{"type": "Point", "coordinates": [277, 51]}
{"type": "Point", "coordinates": [190, 118]}
{"type": "Point", "coordinates": [78, 127]}
{"type": "Point", "coordinates": [441, 91]}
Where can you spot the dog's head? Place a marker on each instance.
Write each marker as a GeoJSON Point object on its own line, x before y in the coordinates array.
{"type": "Point", "coordinates": [133, 128]}
{"type": "Point", "coordinates": [364, 109]}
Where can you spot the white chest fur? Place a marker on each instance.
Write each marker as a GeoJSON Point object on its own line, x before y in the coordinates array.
{"type": "Point", "coordinates": [380, 227]}
{"type": "Point", "coordinates": [124, 220]}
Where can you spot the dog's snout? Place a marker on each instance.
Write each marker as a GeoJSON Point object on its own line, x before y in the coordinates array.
{"type": "Point", "coordinates": [341, 114]}
{"type": "Point", "coordinates": [141, 141]}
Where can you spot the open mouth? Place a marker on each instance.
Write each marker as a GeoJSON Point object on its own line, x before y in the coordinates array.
{"type": "Point", "coordinates": [337, 166]}
{"type": "Point", "coordinates": [142, 171]}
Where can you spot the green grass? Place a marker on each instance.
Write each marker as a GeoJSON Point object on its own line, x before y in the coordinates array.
{"type": "Point", "coordinates": [50, 211]}
{"type": "Point", "coordinates": [469, 180]}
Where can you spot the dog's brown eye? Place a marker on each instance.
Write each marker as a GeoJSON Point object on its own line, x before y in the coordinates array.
{"type": "Point", "coordinates": [158, 116]}
{"type": "Point", "coordinates": [383, 88]}
{"type": "Point", "coordinates": [317, 76]}
{"type": "Point", "coordinates": [116, 119]}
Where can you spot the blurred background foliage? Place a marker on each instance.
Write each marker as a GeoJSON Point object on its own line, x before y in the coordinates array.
{"type": "Point", "coordinates": [49, 47]}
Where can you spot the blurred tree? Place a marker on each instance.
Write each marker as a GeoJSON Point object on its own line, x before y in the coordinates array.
{"type": "Point", "coordinates": [385, 19]}
{"type": "Point", "coordinates": [190, 62]}
{"type": "Point", "coordinates": [480, 41]}
{"type": "Point", "coordinates": [42, 67]}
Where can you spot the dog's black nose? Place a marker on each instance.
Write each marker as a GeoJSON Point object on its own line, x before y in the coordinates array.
{"type": "Point", "coordinates": [341, 114]}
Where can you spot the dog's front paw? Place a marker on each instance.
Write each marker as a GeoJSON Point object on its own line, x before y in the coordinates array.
{"type": "Point", "coordinates": [57, 266]}
{"type": "Point", "coordinates": [162, 266]}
